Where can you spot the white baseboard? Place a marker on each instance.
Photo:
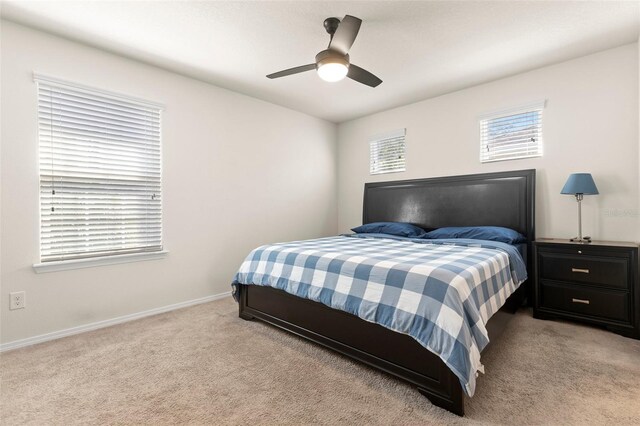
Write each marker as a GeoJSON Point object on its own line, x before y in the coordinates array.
{"type": "Point", "coordinates": [107, 323]}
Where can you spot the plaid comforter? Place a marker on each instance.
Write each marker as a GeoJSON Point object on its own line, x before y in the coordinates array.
{"type": "Point", "coordinates": [440, 294]}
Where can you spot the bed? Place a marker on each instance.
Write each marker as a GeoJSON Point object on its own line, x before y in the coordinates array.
{"type": "Point", "coordinates": [498, 199]}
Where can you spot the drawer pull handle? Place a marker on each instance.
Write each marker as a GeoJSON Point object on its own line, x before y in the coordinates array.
{"type": "Point", "coordinates": [584, 271]}
{"type": "Point", "coordinates": [583, 301]}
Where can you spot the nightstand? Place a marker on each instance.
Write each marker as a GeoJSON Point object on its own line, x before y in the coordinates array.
{"type": "Point", "coordinates": [595, 283]}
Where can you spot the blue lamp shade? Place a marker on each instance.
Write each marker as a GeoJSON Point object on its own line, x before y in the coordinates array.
{"type": "Point", "coordinates": [580, 183]}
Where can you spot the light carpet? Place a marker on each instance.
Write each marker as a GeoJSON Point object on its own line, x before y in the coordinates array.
{"type": "Point", "coordinates": [204, 365]}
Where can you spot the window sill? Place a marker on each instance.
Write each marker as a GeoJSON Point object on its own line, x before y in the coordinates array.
{"type": "Point", "coordinates": [64, 265]}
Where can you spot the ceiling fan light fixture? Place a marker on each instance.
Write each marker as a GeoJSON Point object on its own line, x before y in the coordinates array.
{"type": "Point", "coordinates": [332, 67]}
{"type": "Point", "coordinates": [332, 71]}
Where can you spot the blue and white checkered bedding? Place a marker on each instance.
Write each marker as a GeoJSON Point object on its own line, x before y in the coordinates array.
{"type": "Point", "coordinates": [440, 292]}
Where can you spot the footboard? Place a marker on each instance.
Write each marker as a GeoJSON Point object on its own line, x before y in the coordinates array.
{"type": "Point", "coordinates": [372, 344]}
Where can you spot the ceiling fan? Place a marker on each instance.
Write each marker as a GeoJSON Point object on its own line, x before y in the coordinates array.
{"type": "Point", "coordinates": [333, 63]}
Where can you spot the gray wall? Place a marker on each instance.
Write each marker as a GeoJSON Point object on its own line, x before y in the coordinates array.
{"type": "Point", "coordinates": [237, 173]}
{"type": "Point", "coordinates": [590, 125]}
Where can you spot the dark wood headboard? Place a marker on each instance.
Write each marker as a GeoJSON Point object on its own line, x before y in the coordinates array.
{"type": "Point", "coordinates": [496, 199]}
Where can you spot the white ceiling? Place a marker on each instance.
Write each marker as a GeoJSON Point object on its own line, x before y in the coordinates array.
{"type": "Point", "coordinates": [419, 49]}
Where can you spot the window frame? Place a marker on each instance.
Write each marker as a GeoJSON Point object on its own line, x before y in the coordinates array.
{"type": "Point", "coordinates": [531, 107]}
{"type": "Point", "coordinates": [104, 258]}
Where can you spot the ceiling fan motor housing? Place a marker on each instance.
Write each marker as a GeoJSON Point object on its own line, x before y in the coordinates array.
{"type": "Point", "coordinates": [329, 56]}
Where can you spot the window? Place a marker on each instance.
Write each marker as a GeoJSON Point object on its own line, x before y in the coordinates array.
{"type": "Point", "coordinates": [512, 134]}
{"type": "Point", "coordinates": [100, 173]}
{"type": "Point", "coordinates": [387, 153]}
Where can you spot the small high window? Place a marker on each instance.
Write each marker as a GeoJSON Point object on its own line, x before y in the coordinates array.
{"type": "Point", "coordinates": [387, 153]}
{"type": "Point", "coordinates": [512, 134]}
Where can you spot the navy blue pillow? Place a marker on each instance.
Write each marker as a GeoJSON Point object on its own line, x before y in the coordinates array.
{"type": "Point", "coordinates": [401, 229]}
{"type": "Point", "coordinates": [490, 233]}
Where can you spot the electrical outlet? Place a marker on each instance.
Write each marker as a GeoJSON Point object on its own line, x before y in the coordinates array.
{"type": "Point", "coordinates": [17, 300]}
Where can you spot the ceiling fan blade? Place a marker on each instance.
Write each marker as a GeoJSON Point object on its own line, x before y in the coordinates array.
{"type": "Point", "coordinates": [290, 71]}
{"type": "Point", "coordinates": [363, 76]}
{"type": "Point", "coordinates": [346, 34]}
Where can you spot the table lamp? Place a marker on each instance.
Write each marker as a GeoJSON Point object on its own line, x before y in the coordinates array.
{"type": "Point", "coordinates": [580, 184]}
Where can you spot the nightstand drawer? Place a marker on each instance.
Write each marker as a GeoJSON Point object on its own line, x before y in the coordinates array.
{"type": "Point", "coordinates": [606, 271]}
{"type": "Point", "coordinates": [613, 305]}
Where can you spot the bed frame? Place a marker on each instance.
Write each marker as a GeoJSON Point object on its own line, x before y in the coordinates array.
{"type": "Point", "coordinates": [499, 199]}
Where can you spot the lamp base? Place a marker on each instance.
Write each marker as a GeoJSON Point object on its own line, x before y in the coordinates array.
{"type": "Point", "coordinates": [585, 240]}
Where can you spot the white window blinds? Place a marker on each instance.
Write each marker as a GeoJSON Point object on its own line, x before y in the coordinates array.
{"type": "Point", "coordinates": [100, 173]}
{"type": "Point", "coordinates": [512, 134]}
{"type": "Point", "coordinates": [387, 153]}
